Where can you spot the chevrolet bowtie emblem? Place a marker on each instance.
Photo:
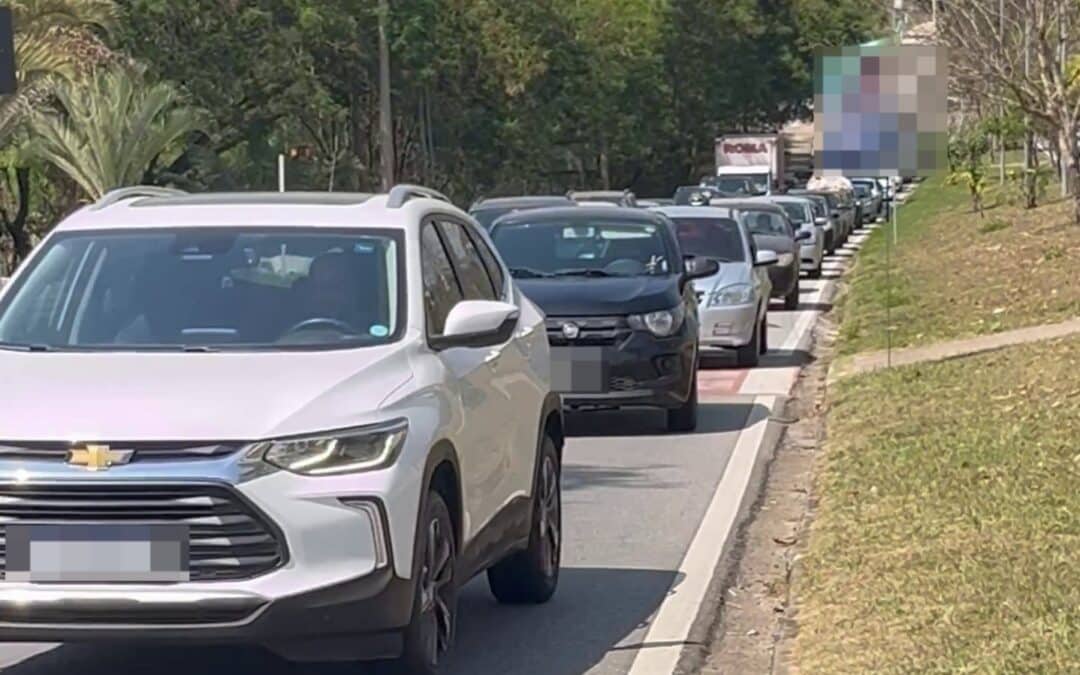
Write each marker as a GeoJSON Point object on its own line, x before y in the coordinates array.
{"type": "Point", "coordinates": [98, 457]}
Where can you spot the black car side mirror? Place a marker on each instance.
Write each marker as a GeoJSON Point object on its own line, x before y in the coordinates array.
{"type": "Point", "coordinates": [700, 268]}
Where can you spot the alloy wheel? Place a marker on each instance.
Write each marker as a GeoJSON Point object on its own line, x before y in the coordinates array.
{"type": "Point", "coordinates": [550, 516]}
{"type": "Point", "coordinates": [436, 592]}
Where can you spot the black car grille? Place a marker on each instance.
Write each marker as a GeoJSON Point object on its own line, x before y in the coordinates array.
{"type": "Point", "coordinates": [592, 331]}
{"type": "Point", "coordinates": [141, 451]}
{"type": "Point", "coordinates": [229, 539]}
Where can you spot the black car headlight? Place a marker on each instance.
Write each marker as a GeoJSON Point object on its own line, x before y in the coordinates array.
{"type": "Point", "coordinates": [338, 452]}
{"type": "Point", "coordinates": [664, 323]}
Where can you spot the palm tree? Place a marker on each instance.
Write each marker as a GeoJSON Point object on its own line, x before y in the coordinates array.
{"type": "Point", "coordinates": [111, 128]}
{"type": "Point", "coordinates": [54, 39]}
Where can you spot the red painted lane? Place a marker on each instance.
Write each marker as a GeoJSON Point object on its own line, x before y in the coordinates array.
{"type": "Point", "coordinates": [720, 382]}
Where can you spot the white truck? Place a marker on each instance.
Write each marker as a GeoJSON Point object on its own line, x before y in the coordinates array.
{"type": "Point", "coordinates": [749, 164]}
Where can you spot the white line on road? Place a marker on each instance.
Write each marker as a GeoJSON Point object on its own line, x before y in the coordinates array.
{"type": "Point", "coordinates": [670, 628]}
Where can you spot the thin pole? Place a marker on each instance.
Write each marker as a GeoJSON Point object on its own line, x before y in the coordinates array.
{"type": "Point", "coordinates": [386, 124]}
{"type": "Point", "coordinates": [888, 289]}
{"type": "Point", "coordinates": [281, 173]}
{"type": "Point", "coordinates": [1001, 108]}
{"type": "Point", "coordinates": [1063, 150]}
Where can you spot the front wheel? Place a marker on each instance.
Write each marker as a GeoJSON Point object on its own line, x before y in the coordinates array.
{"type": "Point", "coordinates": [749, 355]}
{"type": "Point", "coordinates": [531, 576]}
{"type": "Point", "coordinates": [684, 418]}
{"type": "Point", "coordinates": [430, 634]}
{"type": "Point", "coordinates": [791, 300]}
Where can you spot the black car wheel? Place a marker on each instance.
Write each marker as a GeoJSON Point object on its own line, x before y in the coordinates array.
{"type": "Point", "coordinates": [791, 300]}
{"type": "Point", "coordinates": [749, 355]}
{"type": "Point", "coordinates": [684, 418]}
{"type": "Point", "coordinates": [430, 633]}
{"type": "Point", "coordinates": [764, 333]}
{"type": "Point", "coordinates": [530, 576]}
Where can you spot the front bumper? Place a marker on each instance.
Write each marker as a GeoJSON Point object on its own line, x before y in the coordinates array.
{"type": "Point", "coordinates": [614, 366]}
{"type": "Point", "coordinates": [810, 256]}
{"type": "Point", "coordinates": [728, 327]}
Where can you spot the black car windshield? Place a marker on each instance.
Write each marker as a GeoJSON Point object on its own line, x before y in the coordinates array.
{"type": "Point", "coordinates": [584, 247]}
{"type": "Point", "coordinates": [862, 189]}
{"type": "Point", "coordinates": [796, 211]}
{"type": "Point", "coordinates": [205, 289]}
{"type": "Point", "coordinates": [766, 223]}
{"type": "Point", "coordinates": [716, 238]}
{"type": "Point", "coordinates": [487, 217]}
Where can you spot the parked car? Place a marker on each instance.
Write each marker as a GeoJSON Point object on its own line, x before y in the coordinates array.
{"type": "Point", "coordinates": [612, 197]}
{"type": "Point", "coordinates": [800, 211]}
{"type": "Point", "coordinates": [621, 311]}
{"type": "Point", "coordinates": [734, 302]}
{"type": "Point", "coordinates": [772, 231]}
{"type": "Point", "coordinates": [820, 206]}
{"type": "Point", "coordinates": [869, 194]}
{"type": "Point", "coordinates": [304, 421]}
{"type": "Point", "coordinates": [485, 211]}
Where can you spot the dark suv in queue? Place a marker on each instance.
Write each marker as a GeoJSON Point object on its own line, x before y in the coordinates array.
{"type": "Point", "coordinates": [622, 315]}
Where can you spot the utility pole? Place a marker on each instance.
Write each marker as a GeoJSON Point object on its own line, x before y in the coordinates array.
{"type": "Point", "coordinates": [386, 120]}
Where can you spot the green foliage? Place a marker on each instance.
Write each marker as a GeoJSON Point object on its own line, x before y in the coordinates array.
{"type": "Point", "coordinates": [111, 130]}
{"type": "Point", "coordinates": [967, 157]}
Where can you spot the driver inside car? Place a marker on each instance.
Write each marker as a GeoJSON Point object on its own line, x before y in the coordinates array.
{"type": "Point", "coordinates": [326, 297]}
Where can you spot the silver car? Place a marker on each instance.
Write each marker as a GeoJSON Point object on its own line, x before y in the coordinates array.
{"type": "Point", "coordinates": [800, 211]}
{"type": "Point", "coordinates": [733, 303]}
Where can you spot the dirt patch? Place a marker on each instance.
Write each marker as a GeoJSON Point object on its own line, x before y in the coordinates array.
{"type": "Point", "coordinates": [756, 625]}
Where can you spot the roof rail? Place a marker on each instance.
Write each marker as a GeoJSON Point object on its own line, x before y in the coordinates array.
{"type": "Point", "coordinates": [399, 194]}
{"type": "Point", "coordinates": [120, 194]}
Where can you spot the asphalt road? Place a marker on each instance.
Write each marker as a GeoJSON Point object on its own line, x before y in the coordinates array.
{"type": "Point", "coordinates": [634, 500]}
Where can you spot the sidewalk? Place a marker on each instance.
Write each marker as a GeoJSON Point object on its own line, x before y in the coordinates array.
{"type": "Point", "coordinates": [941, 351]}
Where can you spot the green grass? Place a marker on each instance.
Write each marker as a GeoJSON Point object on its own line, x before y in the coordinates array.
{"type": "Point", "coordinates": [955, 274]}
{"type": "Point", "coordinates": [948, 533]}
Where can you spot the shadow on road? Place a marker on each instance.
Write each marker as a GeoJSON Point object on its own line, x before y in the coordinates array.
{"type": "Point", "coordinates": [713, 418]}
{"type": "Point", "coordinates": [592, 612]}
{"type": "Point", "coordinates": [580, 477]}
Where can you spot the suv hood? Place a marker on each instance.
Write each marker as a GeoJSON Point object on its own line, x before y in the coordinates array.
{"type": "Point", "coordinates": [604, 296]}
{"type": "Point", "coordinates": [115, 396]}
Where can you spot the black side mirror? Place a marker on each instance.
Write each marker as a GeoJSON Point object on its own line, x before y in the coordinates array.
{"type": "Point", "coordinates": [802, 235]}
{"type": "Point", "coordinates": [700, 268]}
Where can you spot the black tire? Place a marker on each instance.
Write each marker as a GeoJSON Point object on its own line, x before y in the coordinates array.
{"type": "Point", "coordinates": [749, 355]}
{"type": "Point", "coordinates": [430, 634]}
{"type": "Point", "coordinates": [765, 333]}
{"type": "Point", "coordinates": [531, 576]}
{"type": "Point", "coordinates": [684, 418]}
{"type": "Point", "coordinates": [815, 273]}
{"type": "Point", "coordinates": [791, 300]}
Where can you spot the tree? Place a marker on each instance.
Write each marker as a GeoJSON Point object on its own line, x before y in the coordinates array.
{"type": "Point", "coordinates": [112, 129]}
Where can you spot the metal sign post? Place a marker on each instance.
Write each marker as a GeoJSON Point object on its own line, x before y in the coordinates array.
{"type": "Point", "coordinates": [281, 172]}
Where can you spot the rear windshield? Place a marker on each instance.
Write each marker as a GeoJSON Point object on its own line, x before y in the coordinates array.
{"type": "Point", "coordinates": [200, 289]}
{"type": "Point", "coordinates": [716, 238]}
{"type": "Point", "coordinates": [796, 211]}
{"type": "Point", "coordinates": [766, 223]}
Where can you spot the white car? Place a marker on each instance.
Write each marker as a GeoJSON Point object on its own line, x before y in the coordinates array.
{"type": "Point", "coordinates": [296, 420]}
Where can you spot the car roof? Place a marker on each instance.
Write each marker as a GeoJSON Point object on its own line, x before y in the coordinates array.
{"type": "Point", "coordinates": [599, 193]}
{"type": "Point", "coordinates": [523, 200]}
{"type": "Point", "coordinates": [694, 211]}
{"type": "Point", "coordinates": [751, 203]}
{"type": "Point", "coordinates": [263, 209]}
{"type": "Point", "coordinates": [624, 213]}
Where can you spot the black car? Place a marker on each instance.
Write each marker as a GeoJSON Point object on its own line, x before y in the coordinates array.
{"type": "Point", "coordinates": [697, 195]}
{"type": "Point", "coordinates": [773, 231]}
{"type": "Point", "coordinates": [486, 211]}
{"type": "Point", "coordinates": [621, 312]}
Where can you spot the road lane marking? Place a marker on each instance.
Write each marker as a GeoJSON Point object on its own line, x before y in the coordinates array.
{"type": "Point", "coordinates": [669, 631]}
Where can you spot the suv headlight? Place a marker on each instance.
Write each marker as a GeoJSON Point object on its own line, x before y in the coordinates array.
{"type": "Point", "coordinates": [736, 294]}
{"type": "Point", "coordinates": [664, 323]}
{"type": "Point", "coordinates": [350, 451]}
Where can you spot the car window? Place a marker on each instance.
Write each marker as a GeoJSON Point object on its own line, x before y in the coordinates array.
{"type": "Point", "coordinates": [473, 277]}
{"type": "Point", "coordinates": [441, 288]}
{"type": "Point", "coordinates": [796, 211]}
{"type": "Point", "coordinates": [494, 270]}
{"type": "Point", "coordinates": [237, 288]}
{"type": "Point", "coordinates": [766, 223]}
{"type": "Point", "coordinates": [557, 246]}
{"type": "Point", "coordinates": [717, 238]}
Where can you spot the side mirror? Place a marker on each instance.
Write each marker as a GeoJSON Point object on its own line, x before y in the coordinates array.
{"type": "Point", "coordinates": [700, 268]}
{"type": "Point", "coordinates": [803, 235]}
{"type": "Point", "coordinates": [821, 220]}
{"type": "Point", "coordinates": [477, 323]}
{"type": "Point", "coordinates": [766, 259]}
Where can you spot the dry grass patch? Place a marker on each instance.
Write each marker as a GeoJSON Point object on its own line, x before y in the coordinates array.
{"type": "Point", "coordinates": [958, 275]}
{"type": "Point", "coordinates": [948, 532]}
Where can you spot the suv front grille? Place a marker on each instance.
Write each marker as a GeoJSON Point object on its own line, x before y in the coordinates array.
{"type": "Point", "coordinates": [229, 539]}
{"type": "Point", "coordinates": [141, 452]}
{"type": "Point", "coordinates": [592, 331]}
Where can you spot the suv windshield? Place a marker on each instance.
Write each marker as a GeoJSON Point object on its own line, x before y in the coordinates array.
{"type": "Point", "coordinates": [200, 289]}
{"type": "Point", "coordinates": [716, 238]}
{"type": "Point", "coordinates": [766, 223]}
{"type": "Point", "coordinates": [584, 247]}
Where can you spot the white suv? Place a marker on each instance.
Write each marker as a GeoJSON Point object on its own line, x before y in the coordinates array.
{"type": "Point", "coordinates": [296, 420]}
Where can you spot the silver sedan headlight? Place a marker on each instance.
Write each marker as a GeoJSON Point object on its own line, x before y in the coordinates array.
{"type": "Point", "coordinates": [350, 451]}
{"type": "Point", "coordinates": [736, 294]}
{"type": "Point", "coordinates": [664, 323]}
{"type": "Point", "coordinates": [786, 259]}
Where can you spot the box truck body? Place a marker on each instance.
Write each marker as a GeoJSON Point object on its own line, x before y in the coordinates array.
{"type": "Point", "coordinates": [755, 161]}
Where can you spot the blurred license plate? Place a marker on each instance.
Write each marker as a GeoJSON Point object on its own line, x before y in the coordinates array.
{"type": "Point", "coordinates": [97, 553]}
{"type": "Point", "coordinates": [578, 370]}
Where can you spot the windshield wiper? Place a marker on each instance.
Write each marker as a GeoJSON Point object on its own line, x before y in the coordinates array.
{"type": "Point", "coordinates": [26, 348]}
{"type": "Point", "coordinates": [527, 273]}
{"type": "Point", "coordinates": [583, 272]}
